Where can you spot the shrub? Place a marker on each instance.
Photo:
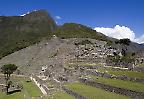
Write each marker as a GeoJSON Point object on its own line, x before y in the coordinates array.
{"type": "Point", "coordinates": [123, 41]}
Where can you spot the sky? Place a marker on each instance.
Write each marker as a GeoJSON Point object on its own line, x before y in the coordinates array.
{"type": "Point", "coordinates": [115, 18]}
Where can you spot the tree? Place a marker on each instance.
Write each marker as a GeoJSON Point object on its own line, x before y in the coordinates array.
{"type": "Point", "coordinates": [7, 70]}
{"type": "Point", "coordinates": [123, 41]}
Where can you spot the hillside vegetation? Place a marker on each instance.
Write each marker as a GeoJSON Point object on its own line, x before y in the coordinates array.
{"type": "Point", "coordinates": [73, 30]}
{"type": "Point", "coordinates": [17, 32]}
{"type": "Point", "coordinates": [71, 61]}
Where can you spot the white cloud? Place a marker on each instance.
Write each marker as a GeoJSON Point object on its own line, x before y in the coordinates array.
{"type": "Point", "coordinates": [24, 14]}
{"type": "Point", "coordinates": [140, 39]}
{"type": "Point", "coordinates": [120, 32]}
{"type": "Point", "coordinates": [35, 10]}
{"type": "Point", "coordinates": [58, 17]}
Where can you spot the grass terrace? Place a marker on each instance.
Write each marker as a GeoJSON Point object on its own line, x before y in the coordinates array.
{"type": "Point", "coordinates": [132, 74]}
{"type": "Point", "coordinates": [141, 65]}
{"type": "Point", "coordinates": [18, 95]}
{"type": "Point", "coordinates": [72, 64]}
{"type": "Point", "coordinates": [92, 92]}
{"type": "Point", "coordinates": [29, 89]}
{"type": "Point", "coordinates": [62, 95]}
{"type": "Point", "coordinates": [28, 85]}
{"type": "Point", "coordinates": [128, 73]}
{"type": "Point", "coordinates": [120, 83]}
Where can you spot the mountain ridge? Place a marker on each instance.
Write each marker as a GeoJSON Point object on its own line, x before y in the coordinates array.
{"type": "Point", "coordinates": [17, 32]}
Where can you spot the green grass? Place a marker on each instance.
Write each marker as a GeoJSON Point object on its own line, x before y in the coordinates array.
{"type": "Point", "coordinates": [13, 39]}
{"type": "Point", "coordinates": [121, 84]}
{"type": "Point", "coordinates": [128, 73]}
{"type": "Point", "coordinates": [102, 70]}
{"type": "Point", "coordinates": [109, 68]}
{"type": "Point", "coordinates": [132, 74]}
{"type": "Point", "coordinates": [73, 30]}
{"type": "Point", "coordinates": [83, 64]}
{"type": "Point", "coordinates": [141, 65]}
{"type": "Point", "coordinates": [93, 93]}
{"type": "Point", "coordinates": [62, 95]}
{"type": "Point", "coordinates": [29, 89]}
{"type": "Point", "coordinates": [32, 89]}
{"type": "Point", "coordinates": [18, 95]}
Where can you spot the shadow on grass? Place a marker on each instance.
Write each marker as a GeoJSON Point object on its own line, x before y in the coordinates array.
{"type": "Point", "coordinates": [14, 91]}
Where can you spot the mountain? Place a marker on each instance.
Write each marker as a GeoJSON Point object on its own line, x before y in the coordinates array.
{"type": "Point", "coordinates": [58, 56]}
{"type": "Point", "coordinates": [74, 30]}
{"type": "Point", "coordinates": [59, 52]}
{"type": "Point", "coordinates": [17, 32]}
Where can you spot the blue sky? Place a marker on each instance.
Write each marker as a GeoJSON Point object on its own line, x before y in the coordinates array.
{"type": "Point", "coordinates": [93, 13]}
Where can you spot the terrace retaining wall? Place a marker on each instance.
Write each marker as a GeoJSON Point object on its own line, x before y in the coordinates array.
{"type": "Point", "coordinates": [106, 75]}
{"type": "Point", "coordinates": [122, 91]}
{"type": "Point", "coordinates": [76, 95]}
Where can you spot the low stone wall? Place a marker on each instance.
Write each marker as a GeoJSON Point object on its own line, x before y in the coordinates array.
{"type": "Point", "coordinates": [76, 95]}
{"type": "Point", "coordinates": [139, 69]}
{"type": "Point", "coordinates": [2, 87]}
{"type": "Point", "coordinates": [130, 79]}
{"type": "Point", "coordinates": [106, 75]}
{"type": "Point", "coordinates": [122, 91]}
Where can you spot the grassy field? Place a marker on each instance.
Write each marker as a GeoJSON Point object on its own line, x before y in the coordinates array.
{"type": "Point", "coordinates": [32, 89]}
{"type": "Point", "coordinates": [62, 95]}
{"type": "Point", "coordinates": [73, 64]}
{"type": "Point", "coordinates": [132, 74]}
{"type": "Point", "coordinates": [18, 95]}
{"type": "Point", "coordinates": [29, 89]}
{"type": "Point", "coordinates": [93, 93]}
{"type": "Point", "coordinates": [121, 84]}
{"type": "Point", "coordinates": [141, 65]}
{"type": "Point", "coordinates": [128, 73]}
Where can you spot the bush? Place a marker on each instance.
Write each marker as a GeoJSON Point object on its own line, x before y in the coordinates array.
{"type": "Point", "coordinates": [123, 41]}
{"type": "Point", "coordinates": [84, 42]}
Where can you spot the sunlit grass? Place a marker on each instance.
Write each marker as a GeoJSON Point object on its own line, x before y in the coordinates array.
{"type": "Point", "coordinates": [86, 64]}
{"type": "Point", "coordinates": [62, 95]}
{"type": "Point", "coordinates": [128, 73]}
{"type": "Point", "coordinates": [32, 89]}
{"type": "Point", "coordinates": [17, 95]}
{"type": "Point", "coordinates": [120, 83]}
{"type": "Point", "coordinates": [141, 65]}
{"type": "Point", "coordinates": [132, 74]}
{"type": "Point", "coordinates": [29, 89]}
{"type": "Point", "coordinates": [92, 92]}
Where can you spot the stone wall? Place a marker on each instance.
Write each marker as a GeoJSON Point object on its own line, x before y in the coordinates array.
{"type": "Point", "coordinates": [76, 95]}
{"type": "Point", "coordinates": [122, 91]}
